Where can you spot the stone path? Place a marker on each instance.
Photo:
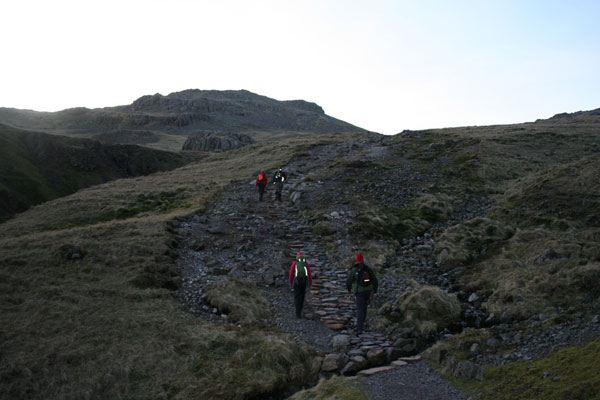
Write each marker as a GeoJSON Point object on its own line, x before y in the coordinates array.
{"type": "Point", "coordinates": [258, 241]}
{"type": "Point", "coordinates": [242, 237]}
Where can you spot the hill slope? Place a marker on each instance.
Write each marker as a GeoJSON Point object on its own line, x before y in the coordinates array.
{"type": "Point", "coordinates": [37, 167]}
{"type": "Point", "coordinates": [87, 280]}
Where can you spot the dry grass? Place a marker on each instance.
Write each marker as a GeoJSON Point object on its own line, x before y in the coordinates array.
{"type": "Point", "coordinates": [249, 365]}
{"type": "Point", "coordinates": [335, 388]}
{"type": "Point", "coordinates": [240, 300]}
{"type": "Point", "coordinates": [106, 325]}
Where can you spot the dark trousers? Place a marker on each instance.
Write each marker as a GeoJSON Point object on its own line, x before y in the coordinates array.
{"type": "Point", "coordinates": [278, 190]}
{"type": "Point", "coordinates": [261, 190]}
{"type": "Point", "coordinates": [362, 301]}
{"type": "Point", "coordinates": [299, 294]}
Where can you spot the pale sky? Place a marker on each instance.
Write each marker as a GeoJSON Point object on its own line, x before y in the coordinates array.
{"type": "Point", "coordinates": [385, 66]}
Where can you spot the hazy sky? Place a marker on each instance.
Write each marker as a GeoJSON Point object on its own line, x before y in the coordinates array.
{"type": "Point", "coordinates": [382, 65]}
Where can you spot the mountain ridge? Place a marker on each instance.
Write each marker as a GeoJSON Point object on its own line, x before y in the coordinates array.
{"type": "Point", "coordinates": [184, 113]}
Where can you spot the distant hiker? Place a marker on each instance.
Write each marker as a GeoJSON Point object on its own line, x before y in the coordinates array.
{"type": "Point", "coordinates": [261, 183]}
{"type": "Point", "coordinates": [300, 279]}
{"type": "Point", "coordinates": [278, 179]}
{"type": "Point", "coordinates": [362, 282]}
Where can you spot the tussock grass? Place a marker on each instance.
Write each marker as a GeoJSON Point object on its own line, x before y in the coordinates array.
{"type": "Point", "coordinates": [398, 223]}
{"type": "Point", "coordinates": [554, 251]}
{"type": "Point", "coordinates": [458, 345]}
{"type": "Point", "coordinates": [334, 388]}
{"type": "Point", "coordinates": [429, 308]}
{"type": "Point", "coordinates": [249, 364]}
{"type": "Point", "coordinates": [240, 300]}
{"type": "Point", "coordinates": [106, 324]}
{"type": "Point", "coordinates": [469, 241]}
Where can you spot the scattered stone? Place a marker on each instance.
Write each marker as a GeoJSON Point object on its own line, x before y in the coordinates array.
{"type": "Point", "coordinates": [332, 362]}
{"type": "Point", "coordinates": [468, 370]}
{"type": "Point", "coordinates": [412, 359]}
{"type": "Point", "coordinates": [475, 349]}
{"type": "Point", "coordinates": [399, 363]}
{"type": "Point", "coordinates": [373, 371]}
{"type": "Point", "coordinates": [506, 318]}
{"type": "Point", "coordinates": [473, 298]}
{"type": "Point", "coordinates": [376, 356]}
{"type": "Point", "coordinates": [340, 342]}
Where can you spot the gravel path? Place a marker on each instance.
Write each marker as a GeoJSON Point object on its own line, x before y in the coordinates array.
{"type": "Point", "coordinates": [411, 382]}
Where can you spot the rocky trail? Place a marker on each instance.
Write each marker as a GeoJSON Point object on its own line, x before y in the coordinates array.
{"type": "Point", "coordinates": [242, 237]}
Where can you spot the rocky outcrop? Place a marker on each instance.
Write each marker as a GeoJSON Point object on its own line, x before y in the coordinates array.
{"type": "Point", "coordinates": [182, 113]}
{"type": "Point", "coordinates": [216, 141]}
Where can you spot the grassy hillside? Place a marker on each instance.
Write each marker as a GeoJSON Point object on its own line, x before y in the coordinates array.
{"type": "Point", "coordinates": [36, 167]}
{"type": "Point", "coordinates": [85, 280]}
{"type": "Point", "coordinates": [103, 323]}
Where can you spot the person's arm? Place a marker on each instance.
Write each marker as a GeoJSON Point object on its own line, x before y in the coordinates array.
{"type": "Point", "coordinates": [374, 279]}
{"type": "Point", "coordinates": [350, 279]}
{"type": "Point", "coordinates": [292, 270]}
{"type": "Point", "coordinates": [309, 274]}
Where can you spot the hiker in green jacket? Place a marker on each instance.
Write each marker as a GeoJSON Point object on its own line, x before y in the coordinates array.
{"type": "Point", "coordinates": [362, 282]}
{"type": "Point", "coordinates": [300, 279]}
{"type": "Point", "coordinates": [278, 179]}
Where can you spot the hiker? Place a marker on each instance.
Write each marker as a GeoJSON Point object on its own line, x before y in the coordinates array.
{"type": "Point", "coordinates": [261, 183]}
{"type": "Point", "coordinates": [362, 282]}
{"type": "Point", "coordinates": [278, 179]}
{"type": "Point", "coordinates": [300, 279]}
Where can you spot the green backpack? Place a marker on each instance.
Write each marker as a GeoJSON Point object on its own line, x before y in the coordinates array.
{"type": "Point", "coordinates": [301, 276]}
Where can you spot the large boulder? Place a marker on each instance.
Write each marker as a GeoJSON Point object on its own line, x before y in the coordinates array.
{"type": "Point", "coordinates": [216, 141]}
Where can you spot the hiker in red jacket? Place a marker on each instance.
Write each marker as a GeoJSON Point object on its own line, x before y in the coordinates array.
{"type": "Point", "coordinates": [261, 183]}
{"type": "Point", "coordinates": [300, 279]}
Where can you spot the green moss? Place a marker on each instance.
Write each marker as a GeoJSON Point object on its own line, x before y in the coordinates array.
{"type": "Point", "coordinates": [570, 373]}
